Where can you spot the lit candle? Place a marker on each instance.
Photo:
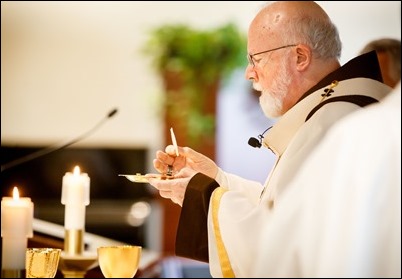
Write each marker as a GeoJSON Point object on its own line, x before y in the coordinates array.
{"type": "Point", "coordinates": [16, 227]}
{"type": "Point", "coordinates": [75, 197]}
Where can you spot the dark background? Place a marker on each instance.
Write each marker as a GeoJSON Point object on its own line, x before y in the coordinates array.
{"type": "Point", "coordinates": [111, 196]}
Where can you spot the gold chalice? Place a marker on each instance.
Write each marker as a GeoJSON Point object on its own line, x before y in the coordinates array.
{"type": "Point", "coordinates": [119, 261]}
{"type": "Point", "coordinates": [42, 262]}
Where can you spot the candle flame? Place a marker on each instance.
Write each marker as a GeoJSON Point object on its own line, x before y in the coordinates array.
{"type": "Point", "coordinates": [16, 194]}
{"type": "Point", "coordinates": [76, 171]}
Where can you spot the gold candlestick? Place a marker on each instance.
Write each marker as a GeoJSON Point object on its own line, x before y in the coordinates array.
{"type": "Point", "coordinates": [74, 242]}
{"type": "Point", "coordinates": [76, 266]}
{"type": "Point", "coordinates": [74, 261]}
{"type": "Point", "coordinates": [12, 273]}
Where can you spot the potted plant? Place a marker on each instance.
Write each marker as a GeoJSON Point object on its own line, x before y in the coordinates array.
{"type": "Point", "coordinates": [193, 63]}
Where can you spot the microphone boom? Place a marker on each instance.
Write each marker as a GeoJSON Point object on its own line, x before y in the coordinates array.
{"type": "Point", "coordinates": [50, 149]}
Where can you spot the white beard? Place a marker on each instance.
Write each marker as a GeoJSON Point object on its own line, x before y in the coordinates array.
{"type": "Point", "coordinates": [271, 100]}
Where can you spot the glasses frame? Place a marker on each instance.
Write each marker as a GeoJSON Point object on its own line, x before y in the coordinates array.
{"type": "Point", "coordinates": [250, 56]}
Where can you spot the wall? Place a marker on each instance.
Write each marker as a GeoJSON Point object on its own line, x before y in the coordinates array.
{"type": "Point", "coordinates": [65, 65]}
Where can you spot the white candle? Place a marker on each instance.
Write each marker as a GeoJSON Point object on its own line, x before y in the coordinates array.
{"type": "Point", "coordinates": [75, 196]}
{"type": "Point", "coordinates": [16, 227]}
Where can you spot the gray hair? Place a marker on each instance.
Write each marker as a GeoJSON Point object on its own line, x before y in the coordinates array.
{"type": "Point", "coordinates": [320, 35]}
{"type": "Point", "coordinates": [392, 47]}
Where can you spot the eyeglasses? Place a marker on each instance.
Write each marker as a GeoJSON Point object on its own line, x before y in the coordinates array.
{"type": "Point", "coordinates": [250, 56]}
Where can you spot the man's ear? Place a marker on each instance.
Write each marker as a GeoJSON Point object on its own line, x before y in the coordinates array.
{"type": "Point", "coordinates": [304, 57]}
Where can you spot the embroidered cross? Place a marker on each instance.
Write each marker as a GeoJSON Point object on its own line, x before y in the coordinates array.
{"type": "Point", "coordinates": [329, 90]}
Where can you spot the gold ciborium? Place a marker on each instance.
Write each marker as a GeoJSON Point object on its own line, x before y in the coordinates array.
{"type": "Point", "coordinates": [119, 261]}
{"type": "Point", "coordinates": [41, 262]}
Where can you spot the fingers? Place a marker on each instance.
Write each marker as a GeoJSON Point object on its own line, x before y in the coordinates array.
{"type": "Point", "coordinates": [165, 158]}
{"type": "Point", "coordinates": [163, 162]}
{"type": "Point", "coordinates": [158, 165]}
{"type": "Point", "coordinates": [173, 189]}
{"type": "Point", "coordinates": [168, 163]}
{"type": "Point", "coordinates": [171, 150]}
{"type": "Point", "coordinates": [183, 151]}
{"type": "Point", "coordinates": [164, 168]}
{"type": "Point", "coordinates": [169, 156]}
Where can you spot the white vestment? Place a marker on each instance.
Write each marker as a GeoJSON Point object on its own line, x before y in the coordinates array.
{"type": "Point", "coordinates": [341, 215]}
{"type": "Point", "coordinates": [238, 211]}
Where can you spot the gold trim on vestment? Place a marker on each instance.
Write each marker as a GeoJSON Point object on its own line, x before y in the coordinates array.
{"type": "Point", "coordinates": [224, 261]}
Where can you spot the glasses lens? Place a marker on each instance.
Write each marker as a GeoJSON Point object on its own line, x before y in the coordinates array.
{"type": "Point", "coordinates": [250, 60]}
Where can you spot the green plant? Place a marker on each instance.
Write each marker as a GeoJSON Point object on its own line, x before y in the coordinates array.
{"type": "Point", "coordinates": [200, 60]}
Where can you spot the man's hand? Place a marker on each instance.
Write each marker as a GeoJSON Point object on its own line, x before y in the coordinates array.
{"type": "Point", "coordinates": [173, 188]}
{"type": "Point", "coordinates": [188, 158]}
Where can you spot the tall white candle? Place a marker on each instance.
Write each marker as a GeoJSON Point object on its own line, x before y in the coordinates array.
{"type": "Point", "coordinates": [75, 196]}
{"type": "Point", "coordinates": [16, 227]}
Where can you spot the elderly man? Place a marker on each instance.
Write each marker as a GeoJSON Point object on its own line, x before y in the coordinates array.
{"type": "Point", "coordinates": [294, 51]}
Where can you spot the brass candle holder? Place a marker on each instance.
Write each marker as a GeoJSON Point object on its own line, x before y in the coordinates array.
{"type": "Point", "coordinates": [74, 261]}
{"type": "Point", "coordinates": [76, 266]}
{"type": "Point", "coordinates": [12, 273]}
{"type": "Point", "coordinates": [74, 242]}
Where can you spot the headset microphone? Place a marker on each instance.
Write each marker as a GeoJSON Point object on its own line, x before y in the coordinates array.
{"type": "Point", "coordinates": [257, 143]}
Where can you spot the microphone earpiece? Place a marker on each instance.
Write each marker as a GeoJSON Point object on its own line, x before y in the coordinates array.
{"type": "Point", "coordinates": [255, 142]}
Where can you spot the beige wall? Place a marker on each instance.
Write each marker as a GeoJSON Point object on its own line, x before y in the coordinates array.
{"type": "Point", "coordinates": [65, 65]}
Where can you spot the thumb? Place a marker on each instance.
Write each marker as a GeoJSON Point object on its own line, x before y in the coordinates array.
{"type": "Point", "coordinates": [192, 154]}
{"type": "Point", "coordinates": [184, 151]}
{"type": "Point", "coordinates": [187, 152]}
